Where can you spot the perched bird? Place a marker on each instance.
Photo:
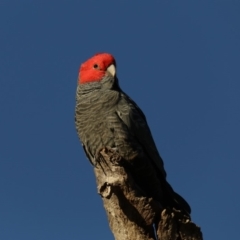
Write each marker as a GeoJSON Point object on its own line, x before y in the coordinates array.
{"type": "Point", "coordinates": [107, 117]}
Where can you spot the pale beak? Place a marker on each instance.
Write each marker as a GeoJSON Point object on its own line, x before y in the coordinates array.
{"type": "Point", "coordinates": [112, 70]}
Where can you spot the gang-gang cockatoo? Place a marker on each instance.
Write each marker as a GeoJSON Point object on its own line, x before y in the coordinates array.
{"type": "Point", "coordinates": [107, 117]}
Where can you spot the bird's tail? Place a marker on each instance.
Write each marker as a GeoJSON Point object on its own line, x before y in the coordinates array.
{"type": "Point", "coordinates": [177, 201]}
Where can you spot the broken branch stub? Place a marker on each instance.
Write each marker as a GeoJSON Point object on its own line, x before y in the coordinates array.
{"type": "Point", "coordinates": [131, 214]}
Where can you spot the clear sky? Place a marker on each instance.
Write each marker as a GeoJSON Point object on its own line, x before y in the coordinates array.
{"type": "Point", "coordinates": [179, 60]}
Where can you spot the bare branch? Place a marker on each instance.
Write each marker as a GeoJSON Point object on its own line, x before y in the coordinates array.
{"type": "Point", "coordinates": [132, 215]}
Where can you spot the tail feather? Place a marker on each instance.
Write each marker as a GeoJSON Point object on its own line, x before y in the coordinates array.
{"type": "Point", "coordinates": [176, 201]}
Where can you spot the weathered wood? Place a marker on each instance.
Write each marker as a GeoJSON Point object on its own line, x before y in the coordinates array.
{"type": "Point", "coordinates": [132, 215]}
{"type": "Point", "coordinates": [175, 226]}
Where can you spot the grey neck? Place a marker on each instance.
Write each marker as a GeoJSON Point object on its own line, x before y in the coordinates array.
{"type": "Point", "coordinates": [107, 83]}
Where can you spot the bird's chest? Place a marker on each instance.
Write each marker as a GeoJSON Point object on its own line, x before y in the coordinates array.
{"type": "Point", "coordinates": [99, 123]}
{"type": "Point", "coordinates": [93, 112]}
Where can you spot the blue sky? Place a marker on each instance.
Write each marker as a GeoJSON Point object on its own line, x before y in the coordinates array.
{"type": "Point", "coordinates": [179, 60]}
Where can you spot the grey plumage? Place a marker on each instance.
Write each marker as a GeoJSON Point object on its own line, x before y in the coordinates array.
{"type": "Point", "coordinates": [106, 117]}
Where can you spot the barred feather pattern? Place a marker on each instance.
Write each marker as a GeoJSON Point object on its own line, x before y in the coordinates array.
{"type": "Point", "coordinates": [106, 117]}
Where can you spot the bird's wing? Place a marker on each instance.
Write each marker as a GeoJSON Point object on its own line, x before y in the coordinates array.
{"type": "Point", "coordinates": [136, 121]}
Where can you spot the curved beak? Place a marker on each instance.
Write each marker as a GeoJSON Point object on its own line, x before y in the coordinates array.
{"type": "Point", "coordinates": [112, 70]}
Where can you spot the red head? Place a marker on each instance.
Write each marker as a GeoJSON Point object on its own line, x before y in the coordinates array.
{"type": "Point", "coordinates": [95, 68]}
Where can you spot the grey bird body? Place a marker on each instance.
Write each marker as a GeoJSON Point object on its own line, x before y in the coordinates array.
{"type": "Point", "coordinates": [116, 122]}
{"type": "Point", "coordinates": [106, 117]}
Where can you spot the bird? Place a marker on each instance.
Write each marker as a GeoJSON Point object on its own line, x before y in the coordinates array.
{"type": "Point", "coordinates": [105, 116]}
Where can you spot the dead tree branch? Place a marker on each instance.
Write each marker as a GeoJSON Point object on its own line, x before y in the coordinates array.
{"type": "Point", "coordinates": [132, 215]}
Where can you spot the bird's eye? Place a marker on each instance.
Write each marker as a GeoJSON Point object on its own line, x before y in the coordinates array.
{"type": "Point", "coordinates": [95, 66]}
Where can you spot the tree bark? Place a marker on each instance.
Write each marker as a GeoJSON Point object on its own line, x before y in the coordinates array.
{"type": "Point", "coordinates": [131, 214]}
